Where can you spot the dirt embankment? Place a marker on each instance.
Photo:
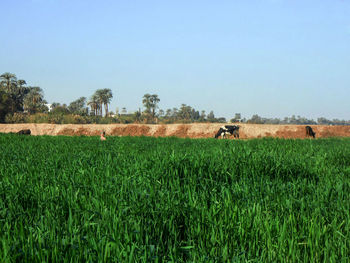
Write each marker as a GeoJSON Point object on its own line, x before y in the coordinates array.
{"type": "Point", "coordinates": [197, 130]}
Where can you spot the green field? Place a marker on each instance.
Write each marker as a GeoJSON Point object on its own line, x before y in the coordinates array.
{"type": "Point", "coordinates": [129, 199]}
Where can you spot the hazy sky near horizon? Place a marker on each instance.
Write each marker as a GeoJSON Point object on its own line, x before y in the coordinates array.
{"type": "Point", "coordinates": [274, 58]}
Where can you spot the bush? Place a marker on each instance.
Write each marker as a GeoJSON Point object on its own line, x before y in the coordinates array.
{"type": "Point", "coordinates": [56, 118]}
{"type": "Point", "coordinates": [17, 117]}
{"type": "Point", "coordinates": [38, 118]}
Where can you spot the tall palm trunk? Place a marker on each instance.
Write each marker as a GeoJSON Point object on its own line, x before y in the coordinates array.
{"type": "Point", "coordinates": [106, 109]}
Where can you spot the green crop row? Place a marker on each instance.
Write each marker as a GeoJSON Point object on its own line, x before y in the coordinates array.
{"type": "Point", "coordinates": [129, 199]}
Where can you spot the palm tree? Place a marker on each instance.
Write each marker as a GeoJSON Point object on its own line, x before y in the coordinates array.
{"type": "Point", "coordinates": [150, 102]}
{"type": "Point", "coordinates": [20, 93]}
{"type": "Point", "coordinates": [100, 98]}
{"type": "Point", "coordinates": [154, 101]}
{"type": "Point", "coordinates": [34, 100]}
{"type": "Point", "coordinates": [21, 83]}
{"type": "Point", "coordinates": [146, 100]}
{"type": "Point", "coordinates": [8, 82]}
{"type": "Point", "coordinates": [104, 97]}
{"type": "Point", "coordinates": [94, 103]}
{"type": "Point", "coordinates": [107, 97]}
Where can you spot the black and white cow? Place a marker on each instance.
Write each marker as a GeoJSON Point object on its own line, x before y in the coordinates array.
{"type": "Point", "coordinates": [24, 132]}
{"type": "Point", "coordinates": [228, 129]}
{"type": "Point", "coordinates": [310, 132]}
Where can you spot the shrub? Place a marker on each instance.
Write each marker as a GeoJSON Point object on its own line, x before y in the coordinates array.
{"type": "Point", "coordinates": [17, 117]}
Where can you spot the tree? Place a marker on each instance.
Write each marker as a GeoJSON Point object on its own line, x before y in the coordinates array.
{"type": "Point", "coordinates": [102, 97]}
{"type": "Point", "coordinates": [57, 108]}
{"type": "Point", "coordinates": [107, 97]}
{"type": "Point", "coordinates": [237, 118]}
{"type": "Point", "coordinates": [202, 116]}
{"type": "Point", "coordinates": [99, 96]}
{"type": "Point", "coordinates": [55, 105]}
{"type": "Point", "coordinates": [168, 113]}
{"type": "Point", "coordinates": [78, 106]}
{"type": "Point", "coordinates": [323, 121]}
{"type": "Point", "coordinates": [256, 119]}
{"type": "Point", "coordinates": [154, 100]}
{"type": "Point", "coordinates": [137, 116]}
{"type": "Point", "coordinates": [150, 102]}
{"type": "Point", "coordinates": [34, 101]}
{"type": "Point", "coordinates": [8, 82]}
{"type": "Point", "coordinates": [94, 104]}
{"type": "Point", "coordinates": [175, 113]}
{"type": "Point", "coordinates": [15, 89]}
{"type": "Point", "coordinates": [211, 116]}
{"type": "Point", "coordinates": [195, 115]}
{"type": "Point", "coordinates": [185, 112]}
{"type": "Point", "coordinates": [146, 100]}
{"type": "Point", "coordinates": [5, 102]}
{"type": "Point", "coordinates": [18, 94]}
{"type": "Point", "coordinates": [221, 119]}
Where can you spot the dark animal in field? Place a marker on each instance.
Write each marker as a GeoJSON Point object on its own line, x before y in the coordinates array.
{"type": "Point", "coordinates": [24, 132]}
{"type": "Point", "coordinates": [310, 132]}
{"type": "Point", "coordinates": [228, 129]}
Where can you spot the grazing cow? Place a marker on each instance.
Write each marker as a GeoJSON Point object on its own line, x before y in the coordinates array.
{"type": "Point", "coordinates": [228, 129]}
{"type": "Point", "coordinates": [310, 132]}
{"type": "Point", "coordinates": [24, 132]}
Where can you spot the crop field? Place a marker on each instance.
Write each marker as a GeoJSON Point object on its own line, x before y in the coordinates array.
{"type": "Point", "coordinates": [144, 199]}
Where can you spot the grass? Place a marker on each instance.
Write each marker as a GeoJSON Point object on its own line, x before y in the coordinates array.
{"type": "Point", "coordinates": [77, 199]}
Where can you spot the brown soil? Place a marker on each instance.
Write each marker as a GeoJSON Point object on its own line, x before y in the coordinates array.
{"type": "Point", "coordinates": [197, 130]}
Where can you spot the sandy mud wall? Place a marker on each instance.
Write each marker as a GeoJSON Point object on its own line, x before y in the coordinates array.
{"type": "Point", "coordinates": [198, 130]}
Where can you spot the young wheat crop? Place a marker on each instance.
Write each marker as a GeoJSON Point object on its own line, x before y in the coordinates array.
{"type": "Point", "coordinates": [77, 199]}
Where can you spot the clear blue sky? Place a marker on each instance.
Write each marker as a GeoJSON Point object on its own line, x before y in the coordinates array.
{"type": "Point", "coordinates": [274, 58]}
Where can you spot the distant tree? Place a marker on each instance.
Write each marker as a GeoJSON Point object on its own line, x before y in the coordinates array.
{"type": "Point", "coordinates": [8, 82]}
{"type": "Point", "coordinates": [20, 92]}
{"type": "Point", "coordinates": [237, 118]}
{"type": "Point", "coordinates": [256, 119]}
{"type": "Point", "coordinates": [175, 113]}
{"type": "Point", "coordinates": [78, 106]}
{"type": "Point", "coordinates": [203, 115]}
{"type": "Point", "coordinates": [34, 101]}
{"type": "Point", "coordinates": [55, 105]}
{"type": "Point", "coordinates": [195, 116]}
{"type": "Point", "coordinates": [185, 112]}
{"type": "Point", "coordinates": [15, 89]}
{"type": "Point", "coordinates": [99, 94]}
{"type": "Point", "coordinates": [57, 108]}
{"type": "Point", "coordinates": [168, 114]}
{"type": "Point", "coordinates": [150, 102]}
{"type": "Point", "coordinates": [107, 97]}
{"type": "Point", "coordinates": [94, 104]}
{"type": "Point", "coordinates": [293, 120]}
{"type": "Point", "coordinates": [285, 120]}
{"type": "Point", "coordinates": [102, 97]}
{"type": "Point", "coordinates": [323, 121]}
{"type": "Point", "coordinates": [211, 116]}
{"type": "Point", "coordinates": [221, 119]}
{"type": "Point", "coordinates": [5, 103]}
{"type": "Point", "coordinates": [137, 115]}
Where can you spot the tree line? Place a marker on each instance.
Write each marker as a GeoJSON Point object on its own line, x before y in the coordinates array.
{"type": "Point", "coordinates": [256, 119]}
{"type": "Point", "coordinates": [21, 103]}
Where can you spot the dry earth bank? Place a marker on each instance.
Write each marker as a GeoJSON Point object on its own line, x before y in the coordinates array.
{"type": "Point", "coordinates": [197, 130]}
